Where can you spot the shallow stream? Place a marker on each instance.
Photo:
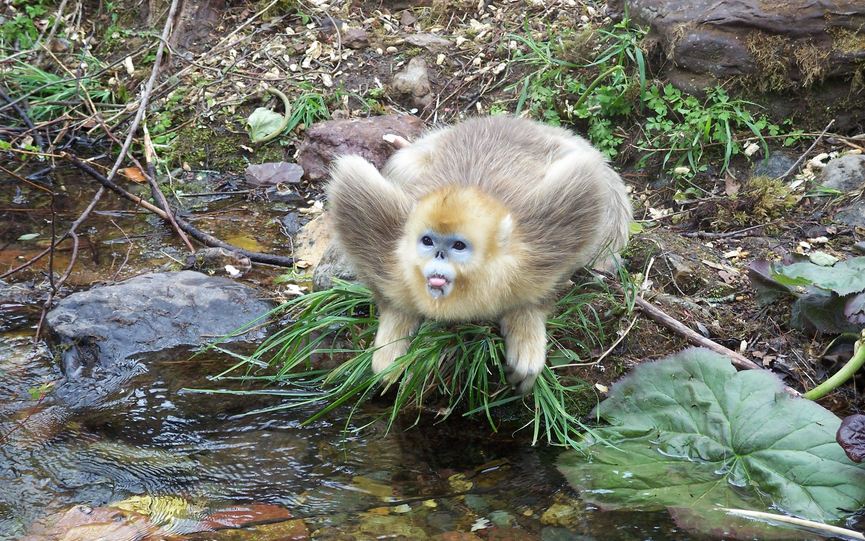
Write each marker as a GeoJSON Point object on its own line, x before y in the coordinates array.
{"type": "Point", "coordinates": [179, 459]}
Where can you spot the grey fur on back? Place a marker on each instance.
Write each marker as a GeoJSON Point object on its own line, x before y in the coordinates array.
{"type": "Point", "coordinates": [567, 204]}
{"type": "Point", "coordinates": [570, 217]}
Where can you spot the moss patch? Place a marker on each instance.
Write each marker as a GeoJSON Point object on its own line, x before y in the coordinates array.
{"type": "Point", "coordinates": [763, 200]}
{"type": "Point", "coordinates": [208, 148]}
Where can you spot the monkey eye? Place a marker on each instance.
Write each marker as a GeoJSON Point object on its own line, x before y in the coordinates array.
{"type": "Point", "coordinates": [426, 240]}
{"type": "Point", "coordinates": [459, 245]}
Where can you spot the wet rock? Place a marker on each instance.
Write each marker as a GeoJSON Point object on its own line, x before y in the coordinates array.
{"type": "Point", "coordinates": [845, 174]}
{"type": "Point", "coordinates": [502, 518]}
{"type": "Point", "coordinates": [362, 136]}
{"type": "Point", "coordinates": [291, 224]}
{"type": "Point", "coordinates": [355, 38]}
{"type": "Point", "coordinates": [428, 41]}
{"type": "Point", "coordinates": [391, 525]}
{"type": "Point", "coordinates": [456, 536]}
{"type": "Point", "coordinates": [220, 261]}
{"type": "Point", "coordinates": [852, 215]}
{"type": "Point", "coordinates": [414, 81]}
{"type": "Point", "coordinates": [560, 514]}
{"type": "Point", "coordinates": [273, 173]}
{"type": "Point", "coordinates": [774, 166]}
{"type": "Point", "coordinates": [283, 193]}
{"type": "Point", "coordinates": [102, 334]}
{"type": "Point", "coordinates": [84, 523]}
{"type": "Point", "coordinates": [332, 265]}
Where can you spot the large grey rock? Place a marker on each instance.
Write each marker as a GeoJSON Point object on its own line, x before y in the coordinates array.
{"type": "Point", "coordinates": [845, 174]}
{"type": "Point", "coordinates": [790, 44]}
{"type": "Point", "coordinates": [331, 265]}
{"type": "Point", "coordinates": [362, 136]}
{"type": "Point", "coordinates": [105, 335]}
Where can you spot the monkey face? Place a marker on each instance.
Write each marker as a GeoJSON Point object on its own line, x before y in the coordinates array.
{"type": "Point", "coordinates": [440, 254]}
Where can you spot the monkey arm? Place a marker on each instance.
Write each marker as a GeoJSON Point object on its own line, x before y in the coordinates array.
{"type": "Point", "coordinates": [578, 209]}
{"type": "Point", "coordinates": [525, 335]}
{"type": "Point", "coordinates": [368, 214]}
{"type": "Point", "coordinates": [392, 339]}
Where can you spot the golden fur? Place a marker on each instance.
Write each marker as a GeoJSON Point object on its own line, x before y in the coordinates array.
{"type": "Point", "coordinates": [535, 202]}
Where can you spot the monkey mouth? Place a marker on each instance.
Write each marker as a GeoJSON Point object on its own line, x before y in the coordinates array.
{"type": "Point", "coordinates": [438, 285]}
{"type": "Point", "coordinates": [437, 281]}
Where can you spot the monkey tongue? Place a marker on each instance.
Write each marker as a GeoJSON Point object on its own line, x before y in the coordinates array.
{"type": "Point", "coordinates": [437, 281]}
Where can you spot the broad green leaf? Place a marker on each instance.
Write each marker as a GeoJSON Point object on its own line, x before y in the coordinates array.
{"type": "Point", "coordinates": [843, 278]}
{"type": "Point", "coordinates": [28, 236]}
{"type": "Point", "coordinates": [822, 311]}
{"type": "Point", "coordinates": [263, 122]}
{"type": "Point", "coordinates": [691, 432]}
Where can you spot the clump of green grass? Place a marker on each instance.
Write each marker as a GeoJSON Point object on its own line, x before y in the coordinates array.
{"type": "Point", "coordinates": [49, 94]}
{"type": "Point", "coordinates": [447, 369]}
{"type": "Point", "coordinates": [612, 88]}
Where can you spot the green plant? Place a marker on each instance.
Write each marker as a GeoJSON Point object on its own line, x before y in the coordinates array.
{"type": "Point", "coordinates": [49, 94]}
{"type": "Point", "coordinates": [460, 365]}
{"type": "Point", "coordinates": [692, 434]}
{"type": "Point", "coordinates": [613, 88]}
{"type": "Point", "coordinates": [19, 31]}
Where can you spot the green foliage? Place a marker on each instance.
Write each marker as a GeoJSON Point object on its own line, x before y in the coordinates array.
{"type": "Point", "coordinates": [309, 107]}
{"type": "Point", "coordinates": [691, 432]}
{"type": "Point", "coordinates": [263, 123]}
{"type": "Point", "coordinates": [455, 368]}
{"type": "Point", "coordinates": [19, 31]}
{"type": "Point", "coordinates": [613, 89]}
{"type": "Point", "coordinates": [828, 298]}
{"type": "Point", "coordinates": [48, 93]}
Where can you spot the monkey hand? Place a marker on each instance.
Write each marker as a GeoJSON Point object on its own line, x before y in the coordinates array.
{"type": "Point", "coordinates": [526, 345]}
{"type": "Point", "coordinates": [392, 340]}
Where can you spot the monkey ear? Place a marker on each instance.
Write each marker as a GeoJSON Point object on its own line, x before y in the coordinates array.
{"type": "Point", "coordinates": [506, 227]}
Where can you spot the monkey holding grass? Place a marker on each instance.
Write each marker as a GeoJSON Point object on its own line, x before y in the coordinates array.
{"type": "Point", "coordinates": [484, 220]}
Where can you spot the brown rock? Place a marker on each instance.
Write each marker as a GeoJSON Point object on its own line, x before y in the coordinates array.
{"type": "Point", "coordinates": [273, 173]}
{"type": "Point", "coordinates": [355, 38]}
{"type": "Point", "coordinates": [362, 136]}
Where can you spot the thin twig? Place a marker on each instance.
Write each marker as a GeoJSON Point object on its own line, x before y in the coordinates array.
{"type": "Point", "coordinates": [694, 337]}
{"type": "Point", "coordinates": [739, 360]}
{"type": "Point", "coordinates": [802, 157]}
{"type": "Point", "coordinates": [194, 232]}
{"type": "Point", "coordinates": [824, 529]}
{"type": "Point", "coordinates": [727, 234]}
{"type": "Point", "coordinates": [24, 118]}
{"type": "Point", "coordinates": [158, 196]}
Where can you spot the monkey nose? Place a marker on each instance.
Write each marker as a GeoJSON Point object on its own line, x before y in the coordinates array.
{"type": "Point", "coordinates": [440, 255]}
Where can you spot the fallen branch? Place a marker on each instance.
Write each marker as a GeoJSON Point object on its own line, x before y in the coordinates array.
{"type": "Point", "coordinates": [149, 155]}
{"type": "Point", "coordinates": [659, 316]}
{"type": "Point", "coordinates": [194, 232]}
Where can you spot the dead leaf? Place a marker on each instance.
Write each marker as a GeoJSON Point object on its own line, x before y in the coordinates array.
{"type": "Point", "coordinates": [134, 174]}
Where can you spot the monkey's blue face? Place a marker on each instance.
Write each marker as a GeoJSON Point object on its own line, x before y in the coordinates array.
{"type": "Point", "coordinates": [441, 255]}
